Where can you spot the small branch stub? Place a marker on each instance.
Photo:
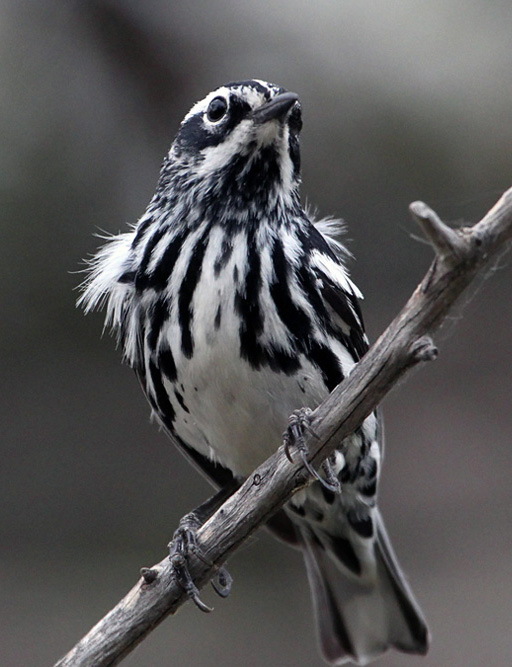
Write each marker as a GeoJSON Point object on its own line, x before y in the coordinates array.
{"type": "Point", "coordinates": [150, 575]}
{"type": "Point", "coordinates": [424, 349]}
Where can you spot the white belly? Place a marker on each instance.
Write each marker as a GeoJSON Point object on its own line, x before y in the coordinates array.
{"type": "Point", "coordinates": [237, 414]}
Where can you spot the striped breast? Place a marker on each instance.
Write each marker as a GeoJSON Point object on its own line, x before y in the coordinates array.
{"type": "Point", "coordinates": [240, 336]}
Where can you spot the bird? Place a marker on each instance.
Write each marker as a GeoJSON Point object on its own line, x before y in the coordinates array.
{"type": "Point", "coordinates": [235, 308]}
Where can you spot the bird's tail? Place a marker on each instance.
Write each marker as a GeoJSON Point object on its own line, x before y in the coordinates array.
{"type": "Point", "coordinates": [359, 618]}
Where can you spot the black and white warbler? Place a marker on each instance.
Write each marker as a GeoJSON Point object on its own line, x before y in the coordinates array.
{"type": "Point", "coordinates": [235, 308]}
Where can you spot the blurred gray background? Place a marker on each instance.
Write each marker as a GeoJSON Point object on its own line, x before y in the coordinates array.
{"type": "Point", "coordinates": [402, 100]}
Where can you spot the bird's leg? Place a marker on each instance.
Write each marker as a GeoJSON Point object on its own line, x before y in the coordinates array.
{"type": "Point", "coordinates": [298, 423]}
{"type": "Point", "coordinates": [184, 541]}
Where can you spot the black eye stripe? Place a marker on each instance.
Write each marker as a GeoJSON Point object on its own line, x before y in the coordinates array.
{"type": "Point", "coordinates": [193, 136]}
{"type": "Point", "coordinates": [203, 129]}
{"type": "Point", "coordinates": [238, 110]}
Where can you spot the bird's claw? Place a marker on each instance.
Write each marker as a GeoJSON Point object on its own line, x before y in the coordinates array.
{"type": "Point", "coordinates": [298, 423]}
{"type": "Point", "coordinates": [179, 564]}
{"type": "Point", "coordinates": [184, 541]}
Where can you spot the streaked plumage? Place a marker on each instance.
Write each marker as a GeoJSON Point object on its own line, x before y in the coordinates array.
{"type": "Point", "coordinates": [235, 308]}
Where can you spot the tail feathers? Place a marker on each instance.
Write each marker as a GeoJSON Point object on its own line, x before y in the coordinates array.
{"type": "Point", "coordinates": [359, 621]}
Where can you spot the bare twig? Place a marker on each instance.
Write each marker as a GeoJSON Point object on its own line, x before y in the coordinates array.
{"type": "Point", "coordinates": [446, 241]}
{"type": "Point", "coordinates": [460, 256]}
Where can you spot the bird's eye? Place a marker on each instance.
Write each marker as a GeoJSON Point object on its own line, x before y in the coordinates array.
{"type": "Point", "coordinates": [217, 109]}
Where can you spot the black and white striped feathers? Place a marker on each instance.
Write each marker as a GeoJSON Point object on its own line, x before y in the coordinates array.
{"type": "Point", "coordinates": [235, 308]}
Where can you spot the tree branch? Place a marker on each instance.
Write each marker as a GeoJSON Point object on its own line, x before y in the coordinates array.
{"type": "Point", "coordinates": [461, 255]}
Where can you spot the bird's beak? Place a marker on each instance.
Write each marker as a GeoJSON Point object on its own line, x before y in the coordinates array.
{"type": "Point", "coordinates": [277, 108]}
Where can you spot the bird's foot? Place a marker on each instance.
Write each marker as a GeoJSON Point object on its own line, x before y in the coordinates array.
{"type": "Point", "coordinates": [298, 424]}
{"type": "Point", "coordinates": [184, 542]}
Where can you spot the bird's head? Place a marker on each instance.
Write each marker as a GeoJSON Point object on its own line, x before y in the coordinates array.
{"type": "Point", "coordinates": [241, 142]}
